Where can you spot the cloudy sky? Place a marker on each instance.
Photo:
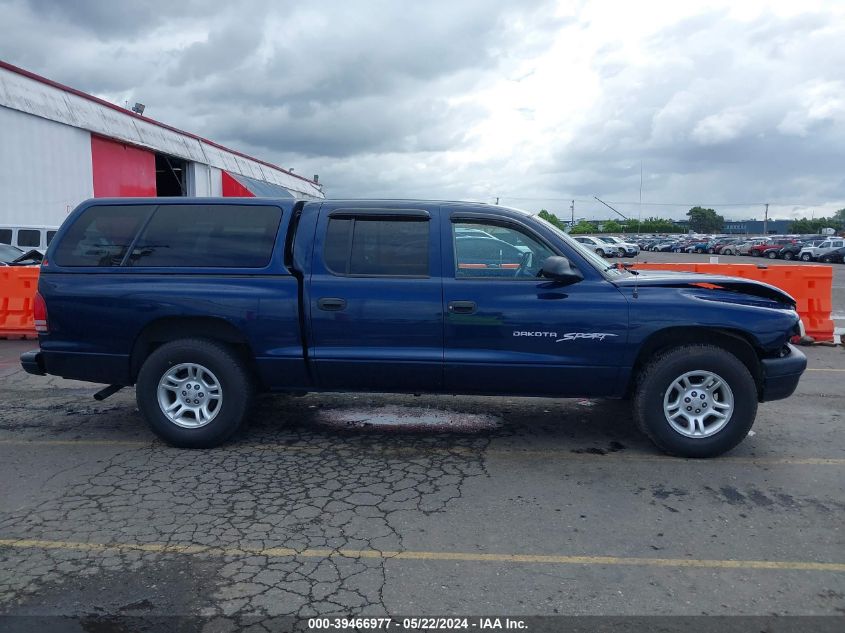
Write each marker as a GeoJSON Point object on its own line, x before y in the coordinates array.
{"type": "Point", "coordinates": [728, 104]}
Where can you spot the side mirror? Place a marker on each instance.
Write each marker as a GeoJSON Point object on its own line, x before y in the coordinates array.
{"type": "Point", "coordinates": [560, 270]}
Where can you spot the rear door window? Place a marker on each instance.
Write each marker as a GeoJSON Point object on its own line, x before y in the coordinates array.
{"type": "Point", "coordinates": [208, 236]}
{"type": "Point", "coordinates": [101, 235]}
{"type": "Point", "coordinates": [373, 246]}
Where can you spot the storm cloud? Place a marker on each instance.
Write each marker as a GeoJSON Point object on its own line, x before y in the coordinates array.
{"type": "Point", "coordinates": [535, 103]}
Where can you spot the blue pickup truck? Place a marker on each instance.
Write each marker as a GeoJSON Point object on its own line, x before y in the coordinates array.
{"type": "Point", "coordinates": [200, 303]}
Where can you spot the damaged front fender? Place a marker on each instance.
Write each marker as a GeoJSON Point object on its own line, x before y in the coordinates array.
{"type": "Point", "coordinates": [737, 285]}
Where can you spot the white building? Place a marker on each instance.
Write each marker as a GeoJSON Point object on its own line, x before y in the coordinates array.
{"type": "Point", "coordinates": [60, 146]}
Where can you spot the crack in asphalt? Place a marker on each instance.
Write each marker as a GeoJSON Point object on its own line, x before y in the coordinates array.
{"type": "Point", "coordinates": [349, 493]}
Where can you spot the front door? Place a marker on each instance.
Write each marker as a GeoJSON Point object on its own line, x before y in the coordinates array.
{"type": "Point", "coordinates": [375, 299]}
{"type": "Point", "coordinates": [509, 332]}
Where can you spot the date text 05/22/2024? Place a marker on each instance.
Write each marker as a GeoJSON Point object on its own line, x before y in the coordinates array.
{"type": "Point", "coordinates": [417, 623]}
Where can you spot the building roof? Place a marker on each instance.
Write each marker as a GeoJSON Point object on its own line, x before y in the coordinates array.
{"type": "Point", "coordinates": [31, 93]}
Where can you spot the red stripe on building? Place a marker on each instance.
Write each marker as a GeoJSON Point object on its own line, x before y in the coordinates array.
{"type": "Point", "coordinates": [122, 171]}
{"type": "Point", "coordinates": [233, 189]}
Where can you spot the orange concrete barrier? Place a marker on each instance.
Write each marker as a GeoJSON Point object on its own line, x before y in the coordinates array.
{"type": "Point", "coordinates": [810, 285]}
{"type": "Point", "coordinates": [17, 294]}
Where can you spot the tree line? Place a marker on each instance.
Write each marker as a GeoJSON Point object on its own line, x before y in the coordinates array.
{"type": "Point", "coordinates": [701, 220]}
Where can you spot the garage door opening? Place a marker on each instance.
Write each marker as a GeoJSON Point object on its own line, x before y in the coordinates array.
{"type": "Point", "coordinates": [170, 176]}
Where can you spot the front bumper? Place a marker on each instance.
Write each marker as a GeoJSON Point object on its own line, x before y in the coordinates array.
{"type": "Point", "coordinates": [33, 363]}
{"type": "Point", "coordinates": [781, 375]}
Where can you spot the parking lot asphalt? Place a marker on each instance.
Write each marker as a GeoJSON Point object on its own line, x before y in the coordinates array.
{"type": "Point", "coordinates": [374, 504]}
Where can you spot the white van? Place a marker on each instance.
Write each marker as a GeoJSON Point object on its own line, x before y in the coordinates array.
{"type": "Point", "coordinates": [28, 238]}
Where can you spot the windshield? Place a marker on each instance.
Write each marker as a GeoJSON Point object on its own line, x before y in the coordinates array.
{"type": "Point", "coordinates": [9, 253]}
{"type": "Point", "coordinates": [599, 263]}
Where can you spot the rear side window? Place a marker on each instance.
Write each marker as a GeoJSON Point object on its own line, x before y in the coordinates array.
{"type": "Point", "coordinates": [387, 247]}
{"type": "Point", "coordinates": [29, 237]}
{"type": "Point", "coordinates": [5, 236]}
{"type": "Point", "coordinates": [225, 236]}
{"type": "Point", "coordinates": [101, 235]}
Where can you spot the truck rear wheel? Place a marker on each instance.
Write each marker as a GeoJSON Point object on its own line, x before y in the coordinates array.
{"type": "Point", "coordinates": [695, 401]}
{"type": "Point", "coordinates": [194, 393]}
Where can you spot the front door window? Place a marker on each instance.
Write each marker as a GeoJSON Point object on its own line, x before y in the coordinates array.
{"type": "Point", "coordinates": [499, 252]}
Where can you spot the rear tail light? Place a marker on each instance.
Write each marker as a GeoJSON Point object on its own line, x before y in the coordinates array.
{"type": "Point", "coordinates": [39, 312]}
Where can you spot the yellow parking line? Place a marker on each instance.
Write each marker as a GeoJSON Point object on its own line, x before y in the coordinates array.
{"type": "Point", "coordinates": [399, 451]}
{"type": "Point", "coordinates": [137, 443]}
{"type": "Point", "coordinates": [286, 552]}
{"type": "Point", "coordinates": [753, 461]}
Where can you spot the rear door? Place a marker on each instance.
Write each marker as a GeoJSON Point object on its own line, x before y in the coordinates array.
{"type": "Point", "coordinates": [374, 298]}
{"type": "Point", "coordinates": [509, 332]}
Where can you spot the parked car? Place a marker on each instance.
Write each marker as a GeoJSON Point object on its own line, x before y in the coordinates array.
{"type": "Point", "coordinates": [645, 245]}
{"type": "Point", "coordinates": [837, 256]}
{"type": "Point", "coordinates": [664, 247]}
{"type": "Point", "coordinates": [791, 252]}
{"type": "Point", "coordinates": [699, 247]}
{"type": "Point", "coordinates": [14, 256]}
{"type": "Point", "coordinates": [599, 247]}
{"type": "Point", "coordinates": [717, 248]}
{"type": "Point", "coordinates": [696, 246]}
{"type": "Point", "coordinates": [810, 253]}
{"type": "Point", "coordinates": [9, 253]}
{"type": "Point", "coordinates": [746, 247]}
{"type": "Point", "coordinates": [203, 302]}
{"type": "Point", "coordinates": [772, 249]}
{"type": "Point", "coordinates": [732, 248]}
{"type": "Point", "coordinates": [489, 252]}
{"type": "Point", "coordinates": [623, 248]}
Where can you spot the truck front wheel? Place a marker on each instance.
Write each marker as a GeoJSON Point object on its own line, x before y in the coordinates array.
{"type": "Point", "coordinates": [695, 401]}
{"type": "Point", "coordinates": [194, 393]}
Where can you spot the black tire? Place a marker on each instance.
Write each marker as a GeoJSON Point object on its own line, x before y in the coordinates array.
{"type": "Point", "coordinates": [772, 254]}
{"type": "Point", "coordinates": [599, 252]}
{"type": "Point", "coordinates": [656, 379]}
{"type": "Point", "coordinates": [235, 384]}
{"type": "Point", "coordinates": [789, 256]}
{"type": "Point", "coordinates": [712, 251]}
{"type": "Point", "coordinates": [826, 260]}
{"type": "Point", "coordinates": [755, 253]}
{"type": "Point", "coordinates": [806, 257]}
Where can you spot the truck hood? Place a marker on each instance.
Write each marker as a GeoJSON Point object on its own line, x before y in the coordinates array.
{"type": "Point", "coordinates": [672, 279]}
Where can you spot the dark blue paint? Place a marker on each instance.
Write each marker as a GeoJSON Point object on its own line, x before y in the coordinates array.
{"type": "Point", "coordinates": [390, 336]}
{"type": "Point", "coordinates": [397, 334]}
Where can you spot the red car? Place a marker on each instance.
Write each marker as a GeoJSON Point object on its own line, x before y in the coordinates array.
{"type": "Point", "coordinates": [765, 248]}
